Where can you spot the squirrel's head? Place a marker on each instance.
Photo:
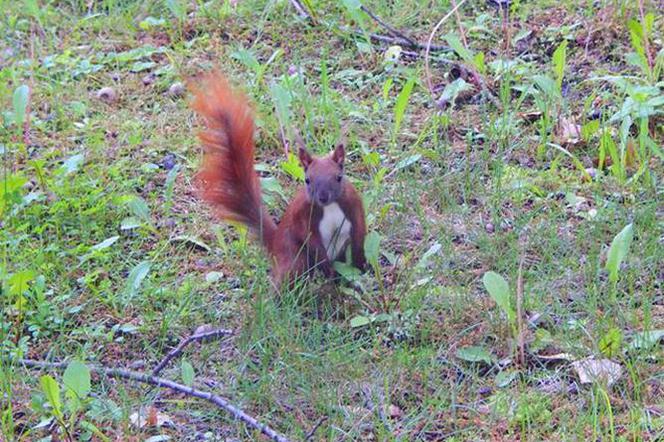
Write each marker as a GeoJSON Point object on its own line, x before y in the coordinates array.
{"type": "Point", "coordinates": [323, 175]}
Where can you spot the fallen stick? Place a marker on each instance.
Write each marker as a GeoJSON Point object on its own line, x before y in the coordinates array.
{"type": "Point", "coordinates": [429, 46]}
{"type": "Point", "coordinates": [398, 37]}
{"type": "Point", "coordinates": [392, 30]}
{"type": "Point", "coordinates": [193, 338]}
{"type": "Point", "coordinates": [395, 40]}
{"type": "Point", "coordinates": [519, 314]}
{"type": "Point", "coordinates": [300, 9]}
{"type": "Point", "coordinates": [166, 383]}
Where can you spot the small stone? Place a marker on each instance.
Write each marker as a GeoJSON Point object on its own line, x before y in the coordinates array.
{"type": "Point", "coordinates": [149, 79]}
{"type": "Point", "coordinates": [490, 228]}
{"type": "Point", "coordinates": [137, 365]}
{"type": "Point", "coordinates": [203, 329]}
{"type": "Point", "coordinates": [292, 70]}
{"type": "Point", "coordinates": [169, 161]}
{"type": "Point", "coordinates": [506, 225]}
{"type": "Point", "coordinates": [107, 94]}
{"type": "Point", "coordinates": [394, 411]}
{"type": "Point", "coordinates": [592, 172]}
{"type": "Point", "coordinates": [592, 370]}
{"type": "Point", "coordinates": [176, 90]}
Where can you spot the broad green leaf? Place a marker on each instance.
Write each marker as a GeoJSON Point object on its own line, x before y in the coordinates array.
{"type": "Point", "coordinates": [141, 66]}
{"type": "Point", "coordinates": [139, 208]}
{"type": "Point", "coordinates": [20, 103]}
{"type": "Point", "coordinates": [453, 89]}
{"type": "Point", "coordinates": [478, 61]}
{"type": "Point", "coordinates": [500, 292]}
{"type": "Point", "coordinates": [170, 183]}
{"type": "Point", "coordinates": [187, 371]}
{"type": "Point", "coordinates": [547, 85]}
{"type": "Point", "coordinates": [19, 282]}
{"type": "Point", "coordinates": [618, 251]}
{"type": "Point", "coordinates": [408, 161]}
{"type": "Point", "coordinates": [51, 390]}
{"type": "Point", "coordinates": [559, 60]}
{"type": "Point", "coordinates": [372, 247]}
{"type": "Point", "coordinates": [458, 47]}
{"type": "Point", "coordinates": [474, 353]}
{"type": "Point", "coordinates": [89, 426]}
{"type": "Point", "coordinates": [610, 343]}
{"type": "Point", "coordinates": [347, 271]}
{"type": "Point", "coordinates": [504, 378]}
{"type": "Point", "coordinates": [402, 102]}
{"type": "Point", "coordinates": [292, 167]}
{"type": "Point", "coordinates": [192, 240]}
{"type": "Point", "coordinates": [646, 339]}
{"type": "Point", "coordinates": [130, 223]}
{"type": "Point", "coordinates": [77, 379]}
{"type": "Point", "coordinates": [359, 321]}
{"type": "Point", "coordinates": [248, 59]}
{"type": "Point", "coordinates": [73, 163]}
{"type": "Point", "coordinates": [105, 244]}
{"type": "Point", "coordinates": [136, 277]}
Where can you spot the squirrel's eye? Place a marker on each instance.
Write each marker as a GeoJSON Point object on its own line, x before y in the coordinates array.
{"type": "Point", "coordinates": [339, 178]}
{"type": "Point", "coordinates": [306, 180]}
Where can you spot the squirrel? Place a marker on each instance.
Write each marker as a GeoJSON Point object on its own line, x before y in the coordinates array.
{"type": "Point", "coordinates": [326, 215]}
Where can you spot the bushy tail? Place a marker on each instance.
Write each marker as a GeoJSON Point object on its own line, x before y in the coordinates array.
{"type": "Point", "coordinates": [227, 179]}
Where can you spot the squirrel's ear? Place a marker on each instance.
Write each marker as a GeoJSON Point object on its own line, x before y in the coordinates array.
{"type": "Point", "coordinates": [305, 157]}
{"type": "Point", "coordinates": [339, 154]}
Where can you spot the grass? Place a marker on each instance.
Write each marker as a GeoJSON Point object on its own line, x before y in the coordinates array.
{"type": "Point", "coordinates": [109, 258]}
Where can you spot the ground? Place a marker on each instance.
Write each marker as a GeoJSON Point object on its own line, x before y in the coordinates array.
{"type": "Point", "coordinates": [524, 170]}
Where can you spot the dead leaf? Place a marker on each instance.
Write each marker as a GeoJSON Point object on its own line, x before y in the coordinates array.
{"type": "Point", "coordinates": [531, 116]}
{"type": "Point", "coordinates": [394, 411]}
{"type": "Point", "coordinates": [568, 132]}
{"type": "Point", "coordinates": [150, 417]}
{"type": "Point", "coordinates": [592, 370]}
{"type": "Point", "coordinates": [557, 357]}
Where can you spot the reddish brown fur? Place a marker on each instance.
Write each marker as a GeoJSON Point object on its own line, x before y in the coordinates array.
{"type": "Point", "coordinates": [228, 181]}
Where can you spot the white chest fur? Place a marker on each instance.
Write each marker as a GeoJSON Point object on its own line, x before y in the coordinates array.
{"type": "Point", "coordinates": [334, 230]}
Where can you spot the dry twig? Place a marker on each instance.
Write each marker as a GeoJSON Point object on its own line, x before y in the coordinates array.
{"type": "Point", "coordinates": [315, 428]}
{"type": "Point", "coordinates": [459, 25]}
{"type": "Point", "coordinates": [427, 49]}
{"type": "Point", "coordinates": [166, 383]}
{"type": "Point", "coordinates": [397, 38]}
{"type": "Point", "coordinates": [392, 30]}
{"type": "Point", "coordinates": [519, 314]}
{"type": "Point", "coordinates": [300, 9]}
{"type": "Point", "coordinates": [193, 338]}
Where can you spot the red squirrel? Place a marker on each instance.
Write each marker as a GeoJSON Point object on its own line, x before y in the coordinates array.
{"type": "Point", "coordinates": [324, 218]}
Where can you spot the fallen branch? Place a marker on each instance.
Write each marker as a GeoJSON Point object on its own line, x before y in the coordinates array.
{"type": "Point", "coordinates": [193, 338]}
{"type": "Point", "coordinates": [310, 435]}
{"type": "Point", "coordinates": [429, 46]}
{"type": "Point", "coordinates": [300, 9]}
{"type": "Point", "coordinates": [392, 30]}
{"type": "Point", "coordinates": [519, 314]}
{"type": "Point", "coordinates": [395, 40]}
{"type": "Point", "coordinates": [166, 383]}
{"type": "Point", "coordinates": [476, 77]}
{"type": "Point", "coordinates": [398, 38]}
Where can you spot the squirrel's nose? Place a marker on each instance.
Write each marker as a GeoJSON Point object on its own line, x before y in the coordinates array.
{"type": "Point", "coordinates": [323, 197]}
